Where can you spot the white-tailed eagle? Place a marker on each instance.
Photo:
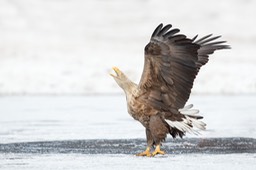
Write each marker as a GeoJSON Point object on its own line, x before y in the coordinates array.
{"type": "Point", "coordinates": [171, 64]}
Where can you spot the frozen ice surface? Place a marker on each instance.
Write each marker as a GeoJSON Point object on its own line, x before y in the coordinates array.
{"type": "Point", "coordinates": [70, 118]}
{"type": "Point", "coordinates": [56, 47]}
{"type": "Point", "coordinates": [43, 118]}
{"type": "Point", "coordinates": [127, 162]}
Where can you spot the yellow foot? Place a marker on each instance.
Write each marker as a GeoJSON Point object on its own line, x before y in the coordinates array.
{"type": "Point", "coordinates": [145, 153]}
{"type": "Point", "coordinates": [158, 151]}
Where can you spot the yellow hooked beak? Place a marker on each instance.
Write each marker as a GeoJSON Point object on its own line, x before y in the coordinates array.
{"type": "Point", "coordinates": [117, 71]}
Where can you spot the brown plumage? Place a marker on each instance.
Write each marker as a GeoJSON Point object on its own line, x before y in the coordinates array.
{"type": "Point", "coordinates": [171, 64]}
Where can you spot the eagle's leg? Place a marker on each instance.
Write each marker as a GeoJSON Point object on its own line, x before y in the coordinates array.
{"type": "Point", "coordinates": [159, 130]}
{"type": "Point", "coordinates": [150, 144]}
{"type": "Point", "coordinates": [145, 153]}
{"type": "Point", "coordinates": [158, 151]}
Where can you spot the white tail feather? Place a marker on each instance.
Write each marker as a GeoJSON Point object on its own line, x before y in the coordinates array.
{"type": "Point", "coordinates": [185, 124]}
{"type": "Point", "coordinates": [197, 123]}
{"type": "Point", "coordinates": [190, 112]}
{"type": "Point", "coordinates": [182, 126]}
{"type": "Point", "coordinates": [186, 107]}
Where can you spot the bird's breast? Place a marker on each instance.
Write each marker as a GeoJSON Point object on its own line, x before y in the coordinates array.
{"type": "Point", "coordinates": [138, 110]}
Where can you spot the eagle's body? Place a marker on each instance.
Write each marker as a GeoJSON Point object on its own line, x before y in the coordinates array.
{"type": "Point", "coordinates": [172, 62]}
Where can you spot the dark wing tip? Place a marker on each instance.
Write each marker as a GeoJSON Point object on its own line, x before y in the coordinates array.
{"type": "Point", "coordinates": [209, 40]}
{"type": "Point", "coordinates": [208, 45]}
{"type": "Point", "coordinates": [195, 37]}
{"type": "Point", "coordinates": [164, 31]}
{"type": "Point", "coordinates": [171, 33]}
{"type": "Point", "coordinates": [220, 47]}
{"type": "Point", "coordinates": [204, 39]}
{"type": "Point", "coordinates": [227, 47]}
{"type": "Point", "coordinates": [157, 30]}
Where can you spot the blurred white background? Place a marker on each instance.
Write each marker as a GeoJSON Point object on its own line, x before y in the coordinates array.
{"type": "Point", "coordinates": [69, 46]}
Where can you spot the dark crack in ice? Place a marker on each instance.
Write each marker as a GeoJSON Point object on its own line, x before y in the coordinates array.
{"type": "Point", "coordinates": [132, 146]}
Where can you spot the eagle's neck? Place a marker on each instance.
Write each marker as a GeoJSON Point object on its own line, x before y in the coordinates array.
{"type": "Point", "coordinates": [130, 88]}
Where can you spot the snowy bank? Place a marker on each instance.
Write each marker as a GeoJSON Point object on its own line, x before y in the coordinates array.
{"type": "Point", "coordinates": [68, 47]}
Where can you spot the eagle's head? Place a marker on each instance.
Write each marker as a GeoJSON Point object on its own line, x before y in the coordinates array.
{"type": "Point", "coordinates": [119, 77]}
{"type": "Point", "coordinates": [122, 80]}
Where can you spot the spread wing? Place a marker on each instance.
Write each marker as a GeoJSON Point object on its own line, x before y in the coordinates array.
{"type": "Point", "coordinates": [207, 46]}
{"type": "Point", "coordinates": [171, 64]}
{"type": "Point", "coordinates": [169, 69]}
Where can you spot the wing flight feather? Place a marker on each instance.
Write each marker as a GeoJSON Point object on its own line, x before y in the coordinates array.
{"type": "Point", "coordinates": [171, 64]}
